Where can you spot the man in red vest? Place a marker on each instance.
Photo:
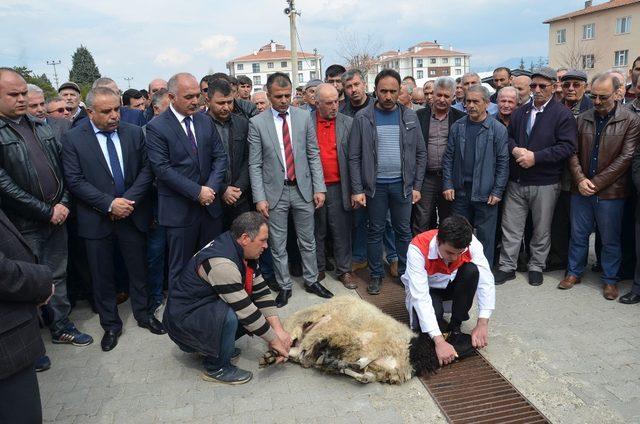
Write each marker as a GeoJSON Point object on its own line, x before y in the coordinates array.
{"type": "Point", "coordinates": [448, 264]}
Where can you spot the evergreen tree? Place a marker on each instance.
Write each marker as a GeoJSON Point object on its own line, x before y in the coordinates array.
{"type": "Point", "coordinates": [84, 70]}
{"type": "Point", "coordinates": [522, 63]}
{"type": "Point", "coordinates": [41, 81]}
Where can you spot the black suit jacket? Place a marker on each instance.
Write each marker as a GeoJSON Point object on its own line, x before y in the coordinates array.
{"type": "Point", "coordinates": [91, 183]}
{"type": "Point", "coordinates": [424, 117]}
{"type": "Point", "coordinates": [181, 172]}
{"type": "Point", "coordinates": [23, 284]}
{"type": "Point", "coordinates": [59, 127]}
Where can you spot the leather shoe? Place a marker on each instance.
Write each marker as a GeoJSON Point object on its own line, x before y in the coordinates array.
{"type": "Point", "coordinates": [630, 298]}
{"type": "Point", "coordinates": [535, 278]}
{"type": "Point", "coordinates": [610, 291]}
{"type": "Point", "coordinates": [283, 297]}
{"type": "Point", "coordinates": [349, 280]}
{"type": "Point", "coordinates": [152, 325]}
{"type": "Point", "coordinates": [318, 289]}
{"type": "Point", "coordinates": [110, 340]}
{"type": "Point", "coordinates": [374, 285]}
{"type": "Point", "coordinates": [568, 282]}
{"type": "Point", "coordinates": [122, 297]}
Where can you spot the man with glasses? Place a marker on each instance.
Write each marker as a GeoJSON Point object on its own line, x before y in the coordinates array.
{"type": "Point", "coordinates": [574, 86]}
{"type": "Point", "coordinates": [56, 107]}
{"type": "Point", "coordinates": [542, 136]}
{"type": "Point", "coordinates": [607, 136]}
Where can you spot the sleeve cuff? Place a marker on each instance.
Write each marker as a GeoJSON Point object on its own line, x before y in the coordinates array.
{"type": "Point", "coordinates": [485, 313]}
{"type": "Point", "coordinates": [435, 333]}
{"type": "Point", "coordinates": [270, 335]}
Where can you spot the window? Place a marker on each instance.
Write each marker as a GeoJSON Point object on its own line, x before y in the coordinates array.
{"type": "Point", "coordinates": [420, 74]}
{"type": "Point", "coordinates": [300, 77]}
{"type": "Point", "coordinates": [270, 65]}
{"type": "Point", "coordinates": [255, 67]}
{"type": "Point", "coordinates": [299, 65]}
{"type": "Point", "coordinates": [283, 64]}
{"type": "Point", "coordinates": [588, 61]}
{"type": "Point", "coordinates": [621, 58]}
{"type": "Point", "coordinates": [623, 25]}
{"type": "Point", "coordinates": [445, 60]}
{"type": "Point", "coordinates": [458, 71]}
{"type": "Point", "coordinates": [432, 72]}
{"type": "Point", "coordinates": [240, 66]}
{"type": "Point", "coordinates": [588, 31]}
{"type": "Point", "coordinates": [312, 75]}
{"type": "Point", "coordinates": [313, 62]}
{"type": "Point", "coordinates": [256, 80]}
{"type": "Point", "coordinates": [432, 61]}
{"type": "Point", "coordinates": [561, 36]}
{"type": "Point", "coordinates": [458, 61]}
{"type": "Point", "coordinates": [419, 64]}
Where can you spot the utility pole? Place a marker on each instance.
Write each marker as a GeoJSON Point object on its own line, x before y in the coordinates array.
{"type": "Point", "coordinates": [55, 73]}
{"type": "Point", "coordinates": [315, 54]}
{"type": "Point", "coordinates": [292, 12]}
{"type": "Point", "coordinates": [128, 80]}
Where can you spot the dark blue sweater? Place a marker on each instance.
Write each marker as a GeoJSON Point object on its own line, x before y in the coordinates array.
{"type": "Point", "coordinates": [553, 140]}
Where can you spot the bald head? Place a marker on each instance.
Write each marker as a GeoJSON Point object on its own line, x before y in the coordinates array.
{"type": "Point", "coordinates": [184, 92]}
{"type": "Point", "coordinates": [327, 101]}
{"type": "Point", "coordinates": [521, 83]}
{"type": "Point", "coordinates": [156, 85]}
{"type": "Point", "coordinates": [13, 94]}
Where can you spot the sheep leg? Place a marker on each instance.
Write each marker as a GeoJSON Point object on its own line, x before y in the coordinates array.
{"type": "Point", "coordinates": [365, 377]}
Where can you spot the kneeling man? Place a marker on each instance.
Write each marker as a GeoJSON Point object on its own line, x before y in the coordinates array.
{"type": "Point", "coordinates": [448, 264]}
{"type": "Point", "coordinates": [221, 287]}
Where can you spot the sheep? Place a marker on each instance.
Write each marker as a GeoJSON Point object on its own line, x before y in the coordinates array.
{"type": "Point", "coordinates": [347, 335]}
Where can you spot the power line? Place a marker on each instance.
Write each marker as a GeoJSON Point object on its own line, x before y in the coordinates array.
{"type": "Point", "coordinates": [55, 72]}
{"type": "Point", "coordinates": [128, 80]}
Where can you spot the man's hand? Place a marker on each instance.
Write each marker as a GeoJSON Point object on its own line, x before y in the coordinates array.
{"type": "Point", "coordinates": [527, 159]}
{"type": "Point", "coordinates": [206, 196]}
{"type": "Point", "coordinates": [415, 196]}
{"type": "Point", "coordinates": [358, 201]}
{"type": "Point", "coordinates": [53, 290]}
{"type": "Point", "coordinates": [231, 195]}
{"type": "Point", "coordinates": [449, 195]}
{"type": "Point", "coordinates": [60, 214]}
{"type": "Point", "coordinates": [480, 334]}
{"type": "Point", "coordinates": [285, 338]}
{"type": "Point", "coordinates": [278, 346]}
{"type": "Point", "coordinates": [121, 207]}
{"type": "Point", "coordinates": [586, 187]}
{"type": "Point", "coordinates": [263, 207]}
{"type": "Point", "coordinates": [518, 151]}
{"type": "Point", "coordinates": [445, 352]}
{"type": "Point", "coordinates": [493, 200]}
{"type": "Point", "coordinates": [318, 199]}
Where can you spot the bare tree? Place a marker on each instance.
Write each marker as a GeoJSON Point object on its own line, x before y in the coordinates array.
{"type": "Point", "coordinates": [359, 51]}
{"type": "Point", "coordinates": [579, 57]}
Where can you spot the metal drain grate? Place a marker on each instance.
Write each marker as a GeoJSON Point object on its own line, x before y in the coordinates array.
{"type": "Point", "coordinates": [467, 391]}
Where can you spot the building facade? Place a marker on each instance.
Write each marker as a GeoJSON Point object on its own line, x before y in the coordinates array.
{"type": "Point", "coordinates": [597, 37]}
{"type": "Point", "coordinates": [274, 57]}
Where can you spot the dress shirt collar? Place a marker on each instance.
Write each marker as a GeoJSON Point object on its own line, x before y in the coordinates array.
{"type": "Point", "coordinates": [276, 114]}
{"type": "Point", "coordinates": [542, 108]}
{"type": "Point", "coordinates": [97, 130]}
{"type": "Point", "coordinates": [325, 122]}
{"type": "Point", "coordinates": [180, 117]}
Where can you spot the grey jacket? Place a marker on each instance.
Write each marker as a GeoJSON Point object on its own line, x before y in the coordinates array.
{"type": "Point", "coordinates": [266, 164]}
{"type": "Point", "coordinates": [343, 130]}
{"type": "Point", "coordinates": [363, 151]}
{"type": "Point", "coordinates": [491, 166]}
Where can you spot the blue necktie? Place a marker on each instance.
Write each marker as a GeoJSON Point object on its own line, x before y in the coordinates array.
{"type": "Point", "coordinates": [116, 169]}
{"type": "Point", "coordinates": [187, 123]}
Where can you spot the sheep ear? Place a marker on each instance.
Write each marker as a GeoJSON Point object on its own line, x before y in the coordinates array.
{"type": "Point", "coordinates": [422, 355]}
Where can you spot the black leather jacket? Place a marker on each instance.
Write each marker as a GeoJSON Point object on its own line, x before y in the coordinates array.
{"type": "Point", "coordinates": [20, 192]}
{"type": "Point", "coordinates": [244, 108]}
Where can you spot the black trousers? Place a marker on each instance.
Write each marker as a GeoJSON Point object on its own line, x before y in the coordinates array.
{"type": "Point", "coordinates": [423, 216]}
{"type": "Point", "coordinates": [230, 213]}
{"type": "Point", "coordinates": [332, 219]}
{"type": "Point", "coordinates": [132, 243]}
{"type": "Point", "coordinates": [560, 232]}
{"type": "Point", "coordinates": [461, 291]}
{"type": "Point", "coordinates": [20, 398]}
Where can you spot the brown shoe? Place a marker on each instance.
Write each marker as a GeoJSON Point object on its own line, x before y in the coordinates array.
{"type": "Point", "coordinates": [349, 281]}
{"type": "Point", "coordinates": [122, 297]}
{"type": "Point", "coordinates": [610, 291]}
{"type": "Point", "coordinates": [359, 265]}
{"type": "Point", "coordinates": [321, 276]}
{"type": "Point", "coordinates": [568, 282]}
{"type": "Point", "coordinates": [393, 269]}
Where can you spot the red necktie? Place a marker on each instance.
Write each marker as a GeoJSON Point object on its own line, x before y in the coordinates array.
{"type": "Point", "coordinates": [288, 150]}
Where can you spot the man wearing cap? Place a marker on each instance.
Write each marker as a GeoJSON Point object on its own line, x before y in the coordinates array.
{"type": "Point", "coordinates": [542, 136]}
{"type": "Point", "coordinates": [310, 95]}
{"type": "Point", "coordinates": [574, 86]}
{"type": "Point", "coordinates": [70, 92]}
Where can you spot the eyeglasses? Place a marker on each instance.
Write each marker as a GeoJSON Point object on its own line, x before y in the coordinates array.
{"type": "Point", "coordinates": [574, 84]}
{"type": "Point", "coordinates": [533, 86]}
{"type": "Point", "coordinates": [601, 97]}
{"type": "Point", "coordinates": [204, 90]}
{"type": "Point", "coordinates": [61, 110]}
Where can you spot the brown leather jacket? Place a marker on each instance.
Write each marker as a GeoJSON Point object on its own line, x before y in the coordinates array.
{"type": "Point", "coordinates": [617, 147]}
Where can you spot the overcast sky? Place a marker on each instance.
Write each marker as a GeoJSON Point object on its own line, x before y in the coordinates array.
{"type": "Point", "coordinates": [147, 39]}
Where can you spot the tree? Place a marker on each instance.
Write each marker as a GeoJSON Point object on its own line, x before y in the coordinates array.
{"type": "Point", "coordinates": [41, 81]}
{"type": "Point", "coordinates": [578, 57]}
{"type": "Point", "coordinates": [84, 70]}
{"type": "Point", "coordinates": [521, 63]}
{"type": "Point", "coordinates": [359, 52]}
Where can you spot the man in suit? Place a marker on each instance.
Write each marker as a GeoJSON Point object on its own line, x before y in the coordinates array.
{"type": "Point", "coordinates": [190, 164]}
{"type": "Point", "coordinates": [286, 174]}
{"type": "Point", "coordinates": [24, 285]}
{"type": "Point", "coordinates": [107, 171]}
{"type": "Point", "coordinates": [127, 114]}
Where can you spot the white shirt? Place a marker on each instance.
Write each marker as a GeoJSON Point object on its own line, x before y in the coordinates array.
{"type": "Point", "coordinates": [277, 120]}
{"type": "Point", "coordinates": [417, 284]}
{"type": "Point", "coordinates": [535, 111]}
{"type": "Point", "coordinates": [102, 141]}
{"type": "Point", "coordinates": [181, 118]}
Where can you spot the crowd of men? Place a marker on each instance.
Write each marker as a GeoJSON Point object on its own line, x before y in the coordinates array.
{"type": "Point", "coordinates": [116, 195]}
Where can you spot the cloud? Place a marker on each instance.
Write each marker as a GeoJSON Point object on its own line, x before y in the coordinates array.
{"type": "Point", "coordinates": [172, 57]}
{"type": "Point", "coordinates": [218, 46]}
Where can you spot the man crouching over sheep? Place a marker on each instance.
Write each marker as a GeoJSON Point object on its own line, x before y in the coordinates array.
{"type": "Point", "coordinates": [220, 287]}
{"type": "Point", "coordinates": [448, 264]}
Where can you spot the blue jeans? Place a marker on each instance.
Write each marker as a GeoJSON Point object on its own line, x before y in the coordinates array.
{"type": "Point", "coordinates": [359, 238]}
{"type": "Point", "coordinates": [586, 212]}
{"type": "Point", "coordinates": [266, 264]}
{"type": "Point", "coordinates": [157, 242]}
{"type": "Point", "coordinates": [482, 217]}
{"type": "Point", "coordinates": [389, 198]}
{"type": "Point", "coordinates": [230, 333]}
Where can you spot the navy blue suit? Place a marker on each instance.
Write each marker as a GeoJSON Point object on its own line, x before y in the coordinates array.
{"type": "Point", "coordinates": [181, 172]}
{"type": "Point", "coordinates": [92, 185]}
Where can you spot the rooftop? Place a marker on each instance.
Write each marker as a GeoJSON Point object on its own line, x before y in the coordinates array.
{"type": "Point", "coordinates": [589, 8]}
{"type": "Point", "coordinates": [272, 51]}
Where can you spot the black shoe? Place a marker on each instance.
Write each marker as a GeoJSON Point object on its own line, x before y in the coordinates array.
{"type": "Point", "coordinates": [152, 325]}
{"type": "Point", "coordinates": [374, 285]}
{"type": "Point", "coordinates": [502, 277]}
{"type": "Point", "coordinates": [295, 269]}
{"type": "Point", "coordinates": [283, 297]}
{"type": "Point", "coordinates": [535, 278]}
{"type": "Point", "coordinates": [110, 340]}
{"type": "Point", "coordinates": [318, 289]}
{"type": "Point", "coordinates": [630, 298]}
